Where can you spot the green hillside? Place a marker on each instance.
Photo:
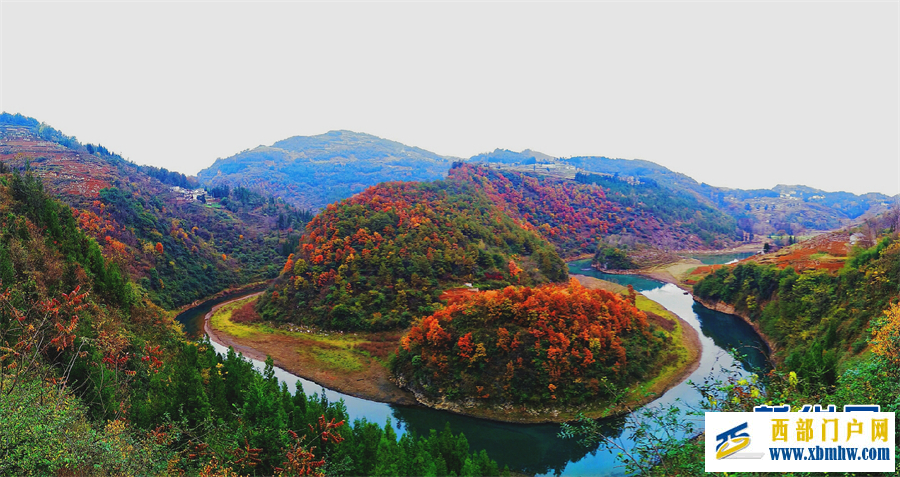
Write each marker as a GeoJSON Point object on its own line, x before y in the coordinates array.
{"type": "Point", "coordinates": [95, 380]}
{"type": "Point", "coordinates": [819, 316]}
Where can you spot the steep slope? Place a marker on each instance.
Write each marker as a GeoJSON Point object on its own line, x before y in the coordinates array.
{"type": "Point", "coordinates": [178, 245]}
{"type": "Point", "coordinates": [379, 259]}
{"type": "Point", "coordinates": [314, 171]}
{"type": "Point", "coordinates": [593, 210]}
{"type": "Point", "coordinates": [813, 300]}
{"type": "Point", "coordinates": [97, 381]}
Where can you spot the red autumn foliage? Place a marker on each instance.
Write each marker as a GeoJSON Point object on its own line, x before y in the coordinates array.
{"type": "Point", "coordinates": [245, 314]}
{"type": "Point", "coordinates": [514, 343]}
{"type": "Point", "coordinates": [288, 265]}
{"type": "Point", "coordinates": [65, 171]}
{"type": "Point", "coordinates": [392, 248]}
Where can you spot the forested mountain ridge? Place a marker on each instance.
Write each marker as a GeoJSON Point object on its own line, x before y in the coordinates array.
{"type": "Point", "coordinates": [785, 209]}
{"type": "Point", "coordinates": [383, 257]}
{"type": "Point", "coordinates": [314, 171]}
{"type": "Point", "coordinates": [792, 209]}
{"type": "Point", "coordinates": [506, 156]}
{"type": "Point", "coordinates": [179, 246]}
{"type": "Point", "coordinates": [578, 216]}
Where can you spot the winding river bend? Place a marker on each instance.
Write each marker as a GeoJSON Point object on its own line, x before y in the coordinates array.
{"type": "Point", "coordinates": [536, 449]}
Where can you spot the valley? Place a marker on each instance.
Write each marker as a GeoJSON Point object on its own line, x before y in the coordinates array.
{"type": "Point", "coordinates": [481, 306]}
{"type": "Point", "coordinates": [716, 333]}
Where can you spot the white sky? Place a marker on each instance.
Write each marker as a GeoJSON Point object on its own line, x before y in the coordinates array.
{"type": "Point", "coordinates": [733, 94]}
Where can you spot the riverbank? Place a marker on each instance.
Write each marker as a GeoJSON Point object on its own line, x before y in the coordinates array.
{"type": "Point", "coordinates": [335, 361]}
{"type": "Point", "coordinates": [730, 310]}
{"type": "Point", "coordinates": [676, 274]}
{"type": "Point", "coordinates": [674, 368]}
{"type": "Point", "coordinates": [320, 359]}
{"type": "Point", "coordinates": [673, 272]}
{"type": "Point", "coordinates": [247, 287]}
{"type": "Point", "coordinates": [673, 374]}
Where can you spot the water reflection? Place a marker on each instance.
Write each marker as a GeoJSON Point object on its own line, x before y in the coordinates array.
{"type": "Point", "coordinates": [192, 318]}
{"type": "Point", "coordinates": [527, 448]}
{"type": "Point", "coordinates": [730, 333]}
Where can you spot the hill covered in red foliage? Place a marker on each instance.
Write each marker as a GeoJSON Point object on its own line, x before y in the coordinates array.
{"type": "Point", "coordinates": [379, 259]}
{"type": "Point", "coordinates": [576, 216]}
{"type": "Point", "coordinates": [553, 345]}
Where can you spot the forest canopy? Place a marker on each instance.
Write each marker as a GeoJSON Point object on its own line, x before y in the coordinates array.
{"type": "Point", "coordinates": [383, 257]}
{"type": "Point", "coordinates": [557, 344]}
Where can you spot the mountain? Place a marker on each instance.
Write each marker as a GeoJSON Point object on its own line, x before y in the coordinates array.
{"type": "Point", "coordinates": [173, 241]}
{"type": "Point", "coordinates": [817, 301]}
{"type": "Point", "coordinates": [505, 156]}
{"type": "Point", "coordinates": [385, 256]}
{"type": "Point", "coordinates": [780, 210]}
{"type": "Point", "coordinates": [314, 171]}
{"type": "Point", "coordinates": [578, 215]}
{"type": "Point", "coordinates": [794, 209]}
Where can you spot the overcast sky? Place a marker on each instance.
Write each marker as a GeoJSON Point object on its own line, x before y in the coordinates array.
{"type": "Point", "coordinates": [742, 95]}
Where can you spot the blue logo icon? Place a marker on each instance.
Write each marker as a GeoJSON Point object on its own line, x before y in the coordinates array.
{"type": "Point", "coordinates": [732, 441]}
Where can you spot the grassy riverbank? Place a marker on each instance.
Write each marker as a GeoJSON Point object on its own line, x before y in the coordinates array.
{"type": "Point", "coordinates": [684, 355]}
{"type": "Point", "coordinates": [351, 363]}
{"type": "Point", "coordinates": [357, 363]}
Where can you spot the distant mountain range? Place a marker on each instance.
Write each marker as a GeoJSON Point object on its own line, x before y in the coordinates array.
{"type": "Point", "coordinates": [310, 172]}
{"type": "Point", "coordinates": [787, 209]}
{"type": "Point", "coordinates": [314, 171]}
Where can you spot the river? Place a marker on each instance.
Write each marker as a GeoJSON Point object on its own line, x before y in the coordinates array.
{"type": "Point", "coordinates": [721, 258]}
{"type": "Point", "coordinates": [536, 448]}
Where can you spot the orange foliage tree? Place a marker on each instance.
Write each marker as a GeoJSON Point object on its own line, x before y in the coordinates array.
{"type": "Point", "coordinates": [886, 338]}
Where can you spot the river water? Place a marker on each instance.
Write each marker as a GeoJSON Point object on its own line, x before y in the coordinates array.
{"type": "Point", "coordinates": [536, 448]}
{"type": "Point", "coordinates": [722, 258]}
